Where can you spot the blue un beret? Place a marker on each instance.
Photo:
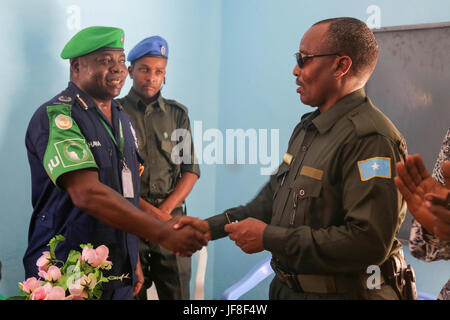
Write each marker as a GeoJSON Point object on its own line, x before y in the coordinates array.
{"type": "Point", "coordinates": [149, 47]}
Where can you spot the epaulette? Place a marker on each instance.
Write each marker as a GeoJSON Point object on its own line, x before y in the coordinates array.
{"type": "Point", "coordinates": [363, 122]}
{"type": "Point", "coordinates": [368, 119]}
{"type": "Point", "coordinates": [66, 97]}
{"type": "Point", "coordinates": [177, 104]}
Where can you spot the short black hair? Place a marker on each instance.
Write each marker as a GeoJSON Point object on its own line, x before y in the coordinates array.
{"type": "Point", "coordinates": [352, 37]}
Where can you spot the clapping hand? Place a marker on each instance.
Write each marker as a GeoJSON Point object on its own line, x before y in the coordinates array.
{"type": "Point", "coordinates": [426, 198]}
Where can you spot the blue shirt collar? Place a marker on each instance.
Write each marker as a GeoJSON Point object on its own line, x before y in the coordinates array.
{"type": "Point", "coordinates": [86, 100]}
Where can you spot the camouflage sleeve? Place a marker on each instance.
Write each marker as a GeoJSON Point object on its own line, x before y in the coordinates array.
{"type": "Point", "coordinates": [444, 155]}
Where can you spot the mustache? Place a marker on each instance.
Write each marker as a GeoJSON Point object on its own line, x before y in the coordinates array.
{"type": "Point", "coordinates": [115, 78]}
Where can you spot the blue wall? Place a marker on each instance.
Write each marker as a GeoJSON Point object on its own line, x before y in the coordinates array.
{"type": "Point", "coordinates": [259, 39]}
{"type": "Point", "coordinates": [230, 63]}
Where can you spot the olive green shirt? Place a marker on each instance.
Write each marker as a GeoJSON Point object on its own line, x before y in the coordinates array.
{"type": "Point", "coordinates": [154, 125]}
{"type": "Point", "coordinates": [324, 215]}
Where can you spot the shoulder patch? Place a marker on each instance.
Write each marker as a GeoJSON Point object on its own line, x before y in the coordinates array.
{"type": "Point", "coordinates": [67, 149]}
{"type": "Point", "coordinates": [63, 122]}
{"type": "Point", "coordinates": [375, 167]}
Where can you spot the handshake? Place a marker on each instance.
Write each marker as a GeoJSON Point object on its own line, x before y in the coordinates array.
{"type": "Point", "coordinates": [185, 235]}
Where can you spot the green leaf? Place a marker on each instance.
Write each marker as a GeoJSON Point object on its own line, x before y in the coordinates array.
{"type": "Point", "coordinates": [90, 246]}
{"type": "Point", "coordinates": [22, 292]}
{"type": "Point", "coordinates": [106, 267]}
{"type": "Point", "coordinates": [17, 298]}
{"type": "Point", "coordinates": [72, 259]}
{"type": "Point", "coordinates": [62, 282]}
{"type": "Point", "coordinates": [86, 268]}
{"type": "Point", "coordinates": [97, 293]}
{"type": "Point", "coordinates": [53, 243]}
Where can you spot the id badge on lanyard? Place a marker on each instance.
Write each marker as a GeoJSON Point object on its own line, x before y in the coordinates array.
{"type": "Point", "coordinates": [127, 177]}
{"type": "Point", "coordinates": [127, 181]}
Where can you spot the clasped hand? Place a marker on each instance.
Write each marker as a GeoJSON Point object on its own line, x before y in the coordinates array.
{"type": "Point", "coordinates": [187, 235]}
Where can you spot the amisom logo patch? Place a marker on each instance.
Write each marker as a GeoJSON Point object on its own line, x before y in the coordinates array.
{"type": "Point", "coordinates": [73, 152]}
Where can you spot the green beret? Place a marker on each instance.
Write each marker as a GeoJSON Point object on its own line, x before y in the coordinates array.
{"type": "Point", "coordinates": [91, 39]}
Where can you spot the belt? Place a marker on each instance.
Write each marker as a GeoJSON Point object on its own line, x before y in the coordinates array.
{"type": "Point", "coordinates": [317, 283]}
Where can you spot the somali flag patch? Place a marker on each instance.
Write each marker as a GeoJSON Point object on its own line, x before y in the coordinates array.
{"type": "Point", "coordinates": [375, 167]}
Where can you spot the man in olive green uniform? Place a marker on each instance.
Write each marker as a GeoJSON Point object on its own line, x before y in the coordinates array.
{"type": "Point", "coordinates": [332, 209]}
{"type": "Point", "coordinates": [163, 129]}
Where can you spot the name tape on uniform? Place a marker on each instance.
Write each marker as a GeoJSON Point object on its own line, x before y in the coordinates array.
{"type": "Point", "coordinates": [312, 173]}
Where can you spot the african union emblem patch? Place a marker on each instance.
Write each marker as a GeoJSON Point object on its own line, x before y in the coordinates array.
{"type": "Point", "coordinates": [63, 122]}
{"type": "Point", "coordinates": [375, 167]}
{"type": "Point", "coordinates": [73, 152]}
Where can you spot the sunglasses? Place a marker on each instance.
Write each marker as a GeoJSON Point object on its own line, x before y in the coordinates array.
{"type": "Point", "coordinates": [301, 59]}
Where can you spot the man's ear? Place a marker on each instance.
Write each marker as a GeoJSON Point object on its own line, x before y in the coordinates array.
{"type": "Point", "coordinates": [130, 71]}
{"type": "Point", "coordinates": [75, 65]}
{"type": "Point", "coordinates": [343, 66]}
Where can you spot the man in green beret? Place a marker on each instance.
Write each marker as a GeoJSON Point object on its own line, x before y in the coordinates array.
{"type": "Point", "coordinates": [85, 168]}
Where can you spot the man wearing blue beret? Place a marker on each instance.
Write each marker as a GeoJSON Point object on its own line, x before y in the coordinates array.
{"type": "Point", "coordinates": [167, 178]}
{"type": "Point", "coordinates": [85, 168]}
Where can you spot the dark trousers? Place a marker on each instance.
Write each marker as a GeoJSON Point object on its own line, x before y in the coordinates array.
{"type": "Point", "coordinates": [124, 293]}
{"type": "Point", "coordinates": [170, 274]}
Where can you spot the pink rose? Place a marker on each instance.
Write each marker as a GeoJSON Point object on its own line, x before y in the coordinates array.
{"type": "Point", "coordinates": [72, 297]}
{"type": "Point", "coordinates": [41, 292]}
{"type": "Point", "coordinates": [89, 281]}
{"type": "Point", "coordinates": [77, 290]}
{"type": "Point", "coordinates": [56, 293]}
{"type": "Point", "coordinates": [96, 257]}
{"type": "Point", "coordinates": [44, 261]}
{"type": "Point", "coordinates": [53, 273]}
{"type": "Point", "coordinates": [30, 284]}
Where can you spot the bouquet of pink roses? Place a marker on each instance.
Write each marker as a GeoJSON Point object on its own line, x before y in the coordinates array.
{"type": "Point", "coordinates": [79, 278]}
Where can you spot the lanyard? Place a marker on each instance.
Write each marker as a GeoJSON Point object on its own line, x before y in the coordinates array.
{"type": "Point", "coordinates": [120, 145]}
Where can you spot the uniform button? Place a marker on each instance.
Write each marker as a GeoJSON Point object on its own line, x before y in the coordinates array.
{"type": "Point", "coordinates": [43, 218]}
{"type": "Point", "coordinates": [304, 148]}
{"type": "Point", "coordinates": [301, 192]}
